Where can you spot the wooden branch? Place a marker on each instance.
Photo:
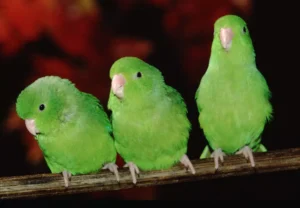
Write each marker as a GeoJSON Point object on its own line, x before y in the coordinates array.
{"type": "Point", "coordinates": [52, 184]}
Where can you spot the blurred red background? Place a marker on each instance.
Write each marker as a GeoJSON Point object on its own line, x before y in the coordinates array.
{"type": "Point", "coordinates": [80, 39]}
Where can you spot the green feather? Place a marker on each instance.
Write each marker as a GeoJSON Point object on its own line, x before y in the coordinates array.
{"type": "Point", "coordinates": [74, 129]}
{"type": "Point", "coordinates": [150, 125]}
{"type": "Point", "coordinates": [233, 96]}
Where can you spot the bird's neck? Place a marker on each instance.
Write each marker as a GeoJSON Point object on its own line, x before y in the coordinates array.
{"type": "Point", "coordinates": [231, 59]}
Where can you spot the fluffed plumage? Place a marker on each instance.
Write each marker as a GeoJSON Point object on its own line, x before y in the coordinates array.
{"type": "Point", "coordinates": [149, 120]}
{"type": "Point", "coordinates": [70, 126]}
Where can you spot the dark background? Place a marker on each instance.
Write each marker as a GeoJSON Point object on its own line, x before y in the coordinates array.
{"type": "Point", "coordinates": [274, 31]}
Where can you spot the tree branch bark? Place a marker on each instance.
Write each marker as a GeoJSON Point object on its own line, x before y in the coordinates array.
{"type": "Point", "coordinates": [53, 184]}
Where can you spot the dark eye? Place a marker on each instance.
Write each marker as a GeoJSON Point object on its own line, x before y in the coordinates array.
{"type": "Point", "coordinates": [244, 29]}
{"type": "Point", "coordinates": [139, 75]}
{"type": "Point", "coordinates": [42, 107]}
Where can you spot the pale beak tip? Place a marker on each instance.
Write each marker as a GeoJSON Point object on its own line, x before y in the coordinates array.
{"type": "Point", "coordinates": [226, 35]}
{"type": "Point", "coordinates": [30, 125]}
{"type": "Point", "coordinates": [117, 85]}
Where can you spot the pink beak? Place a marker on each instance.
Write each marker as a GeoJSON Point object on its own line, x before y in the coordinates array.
{"type": "Point", "coordinates": [226, 36]}
{"type": "Point", "coordinates": [30, 125]}
{"type": "Point", "coordinates": [117, 85]}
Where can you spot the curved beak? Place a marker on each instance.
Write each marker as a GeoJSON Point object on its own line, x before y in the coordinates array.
{"type": "Point", "coordinates": [226, 36]}
{"type": "Point", "coordinates": [30, 125]}
{"type": "Point", "coordinates": [117, 85]}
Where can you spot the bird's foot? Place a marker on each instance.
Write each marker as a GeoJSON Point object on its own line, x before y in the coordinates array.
{"type": "Point", "coordinates": [187, 163]}
{"type": "Point", "coordinates": [247, 152]}
{"type": "Point", "coordinates": [112, 167]}
{"type": "Point", "coordinates": [133, 170]}
{"type": "Point", "coordinates": [218, 154]}
{"type": "Point", "coordinates": [67, 177]}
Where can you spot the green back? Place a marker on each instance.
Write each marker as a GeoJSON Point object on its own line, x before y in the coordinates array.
{"type": "Point", "coordinates": [74, 129]}
{"type": "Point", "coordinates": [150, 125]}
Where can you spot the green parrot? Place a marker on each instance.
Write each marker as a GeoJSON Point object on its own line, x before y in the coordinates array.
{"type": "Point", "coordinates": [233, 96]}
{"type": "Point", "coordinates": [149, 120]}
{"type": "Point", "coordinates": [70, 126]}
